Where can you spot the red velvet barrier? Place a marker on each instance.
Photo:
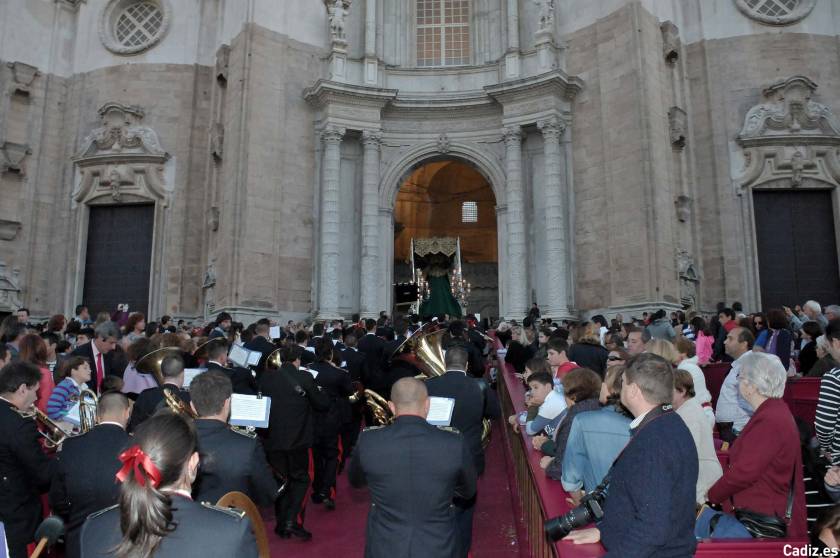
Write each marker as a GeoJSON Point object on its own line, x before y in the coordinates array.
{"type": "Point", "coordinates": [715, 375]}
{"type": "Point", "coordinates": [544, 498]}
{"type": "Point", "coordinates": [801, 396]}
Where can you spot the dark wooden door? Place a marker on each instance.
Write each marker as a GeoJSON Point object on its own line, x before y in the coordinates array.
{"type": "Point", "coordinates": [119, 257]}
{"type": "Point", "coordinates": [797, 251]}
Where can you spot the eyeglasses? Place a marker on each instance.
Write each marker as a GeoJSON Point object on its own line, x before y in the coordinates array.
{"type": "Point", "coordinates": [612, 358]}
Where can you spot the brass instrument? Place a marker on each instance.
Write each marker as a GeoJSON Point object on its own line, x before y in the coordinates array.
{"type": "Point", "coordinates": [50, 430]}
{"type": "Point", "coordinates": [242, 503]}
{"type": "Point", "coordinates": [203, 350]}
{"type": "Point", "coordinates": [88, 406]}
{"type": "Point", "coordinates": [177, 405]}
{"type": "Point", "coordinates": [273, 361]}
{"type": "Point", "coordinates": [150, 363]}
{"type": "Point", "coordinates": [378, 407]}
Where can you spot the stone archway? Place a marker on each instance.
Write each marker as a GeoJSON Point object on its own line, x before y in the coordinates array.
{"type": "Point", "coordinates": [447, 197]}
{"type": "Point", "coordinates": [401, 170]}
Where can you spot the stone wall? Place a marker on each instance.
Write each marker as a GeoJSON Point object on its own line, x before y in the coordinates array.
{"type": "Point", "coordinates": [727, 77]}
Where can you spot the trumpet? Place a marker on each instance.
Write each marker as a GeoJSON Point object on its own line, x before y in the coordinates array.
{"type": "Point", "coordinates": [50, 430]}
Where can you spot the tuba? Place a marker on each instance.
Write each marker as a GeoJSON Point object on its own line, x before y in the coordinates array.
{"type": "Point", "coordinates": [88, 405]}
{"type": "Point", "coordinates": [424, 351]}
{"type": "Point", "coordinates": [151, 364]}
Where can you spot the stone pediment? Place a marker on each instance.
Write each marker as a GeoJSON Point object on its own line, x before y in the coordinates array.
{"type": "Point", "coordinates": [789, 113]}
{"type": "Point", "coordinates": [789, 138]}
{"type": "Point", "coordinates": [121, 157]}
{"type": "Point", "coordinates": [121, 137]}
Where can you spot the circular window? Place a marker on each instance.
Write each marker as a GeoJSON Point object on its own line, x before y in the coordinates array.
{"type": "Point", "coordinates": [776, 12]}
{"type": "Point", "coordinates": [131, 26]}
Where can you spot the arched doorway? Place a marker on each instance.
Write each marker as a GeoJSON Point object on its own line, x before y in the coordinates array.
{"type": "Point", "coordinates": [450, 198]}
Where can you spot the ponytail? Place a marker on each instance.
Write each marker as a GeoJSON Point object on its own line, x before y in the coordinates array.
{"type": "Point", "coordinates": [164, 444]}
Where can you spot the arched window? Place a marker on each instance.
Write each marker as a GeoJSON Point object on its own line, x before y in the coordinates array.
{"type": "Point", "coordinates": [443, 32]}
{"type": "Point", "coordinates": [776, 12]}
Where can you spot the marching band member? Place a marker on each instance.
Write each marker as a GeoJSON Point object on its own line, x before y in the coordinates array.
{"type": "Point", "coordinates": [230, 461]}
{"type": "Point", "coordinates": [25, 471]}
{"type": "Point", "coordinates": [156, 515]}
{"type": "Point", "coordinates": [85, 469]}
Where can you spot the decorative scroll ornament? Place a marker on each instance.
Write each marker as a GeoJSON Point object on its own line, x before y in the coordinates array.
{"type": "Point", "coordinates": [790, 137]}
{"type": "Point", "coordinates": [121, 157]}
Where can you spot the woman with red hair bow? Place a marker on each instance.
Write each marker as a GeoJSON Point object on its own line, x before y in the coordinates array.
{"type": "Point", "coordinates": [156, 515]}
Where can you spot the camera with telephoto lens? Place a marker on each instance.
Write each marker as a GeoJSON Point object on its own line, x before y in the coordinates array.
{"type": "Point", "coordinates": [590, 510]}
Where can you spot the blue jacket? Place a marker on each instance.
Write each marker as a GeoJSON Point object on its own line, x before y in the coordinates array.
{"type": "Point", "coordinates": [595, 440]}
{"type": "Point", "coordinates": [649, 510]}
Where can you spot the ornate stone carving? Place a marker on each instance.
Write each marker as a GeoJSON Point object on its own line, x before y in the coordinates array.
{"type": "Point", "coordinates": [333, 134]}
{"type": "Point", "coordinates": [552, 127]}
{"type": "Point", "coordinates": [689, 278]}
{"type": "Point", "coordinates": [217, 140]}
{"type": "Point", "coordinates": [9, 229]}
{"type": "Point", "coordinates": [670, 41]}
{"type": "Point", "coordinates": [678, 127]}
{"type": "Point", "coordinates": [338, 10]}
{"type": "Point", "coordinates": [776, 12]}
{"type": "Point", "coordinates": [222, 64]}
{"type": "Point", "coordinates": [545, 23]}
{"type": "Point", "coordinates": [121, 156]}
{"type": "Point", "coordinates": [372, 138]}
{"type": "Point", "coordinates": [10, 299]}
{"type": "Point", "coordinates": [443, 143]}
{"type": "Point", "coordinates": [512, 134]}
{"type": "Point", "coordinates": [683, 205]}
{"type": "Point", "coordinates": [23, 76]}
{"type": "Point", "coordinates": [790, 136]}
{"type": "Point", "coordinates": [13, 156]}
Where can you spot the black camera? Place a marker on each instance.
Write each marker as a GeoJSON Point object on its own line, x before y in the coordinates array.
{"type": "Point", "coordinates": [590, 510]}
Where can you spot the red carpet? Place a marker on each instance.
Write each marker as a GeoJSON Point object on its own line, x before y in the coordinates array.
{"type": "Point", "coordinates": [342, 532]}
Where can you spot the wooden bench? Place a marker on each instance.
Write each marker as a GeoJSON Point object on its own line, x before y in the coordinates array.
{"type": "Point", "coordinates": [543, 498]}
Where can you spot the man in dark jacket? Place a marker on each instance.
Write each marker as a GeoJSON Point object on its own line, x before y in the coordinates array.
{"type": "Point", "coordinates": [474, 401]}
{"type": "Point", "coordinates": [294, 400]}
{"type": "Point", "coordinates": [373, 348]}
{"type": "Point", "coordinates": [99, 352]}
{"type": "Point", "coordinates": [242, 379]}
{"type": "Point", "coordinates": [414, 471]}
{"type": "Point", "coordinates": [25, 471]}
{"type": "Point", "coordinates": [261, 343]}
{"type": "Point", "coordinates": [650, 509]}
{"type": "Point", "coordinates": [230, 460]}
{"type": "Point", "coordinates": [335, 384]}
{"type": "Point", "coordinates": [152, 399]}
{"type": "Point", "coordinates": [86, 466]}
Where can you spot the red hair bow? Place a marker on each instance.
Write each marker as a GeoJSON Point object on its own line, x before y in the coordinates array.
{"type": "Point", "coordinates": [135, 458]}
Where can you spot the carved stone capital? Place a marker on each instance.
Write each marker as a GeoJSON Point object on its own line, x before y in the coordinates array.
{"type": "Point", "coordinates": [512, 135]}
{"type": "Point", "coordinates": [372, 139]}
{"type": "Point", "coordinates": [552, 128]}
{"type": "Point", "coordinates": [333, 134]}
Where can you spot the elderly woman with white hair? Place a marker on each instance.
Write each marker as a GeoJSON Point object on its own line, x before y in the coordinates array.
{"type": "Point", "coordinates": [763, 483]}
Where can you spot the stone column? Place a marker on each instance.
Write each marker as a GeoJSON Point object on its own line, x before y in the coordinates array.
{"type": "Point", "coordinates": [369, 302]}
{"type": "Point", "coordinates": [556, 255]}
{"type": "Point", "coordinates": [371, 62]}
{"type": "Point", "coordinates": [517, 277]}
{"type": "Point", "coordinates": [512, 54]}
{"type": "Point", "coordinates": [330, 182]}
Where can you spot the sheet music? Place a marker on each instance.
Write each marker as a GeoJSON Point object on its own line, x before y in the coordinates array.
{"type": "Point", "coordinates": [274, 332]}
{"type": "Point", "coordinates": [190, 374]}
{"type": "Point", "coordinates": [313, 372]}
{"type": "Point", "coordinates": [72, 415]}
{"type": "Point", "coordinates": [249, 410]}
{"type": "Point", "coordinates": [254, 358]}
{"type": "Point", "coordinates": [440, 411]}
{"type": "Point", "coordinates": [238, 355]}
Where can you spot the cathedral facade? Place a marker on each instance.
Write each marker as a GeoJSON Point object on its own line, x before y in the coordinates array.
{"type": "Point", "coordinates": [193, 156]}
